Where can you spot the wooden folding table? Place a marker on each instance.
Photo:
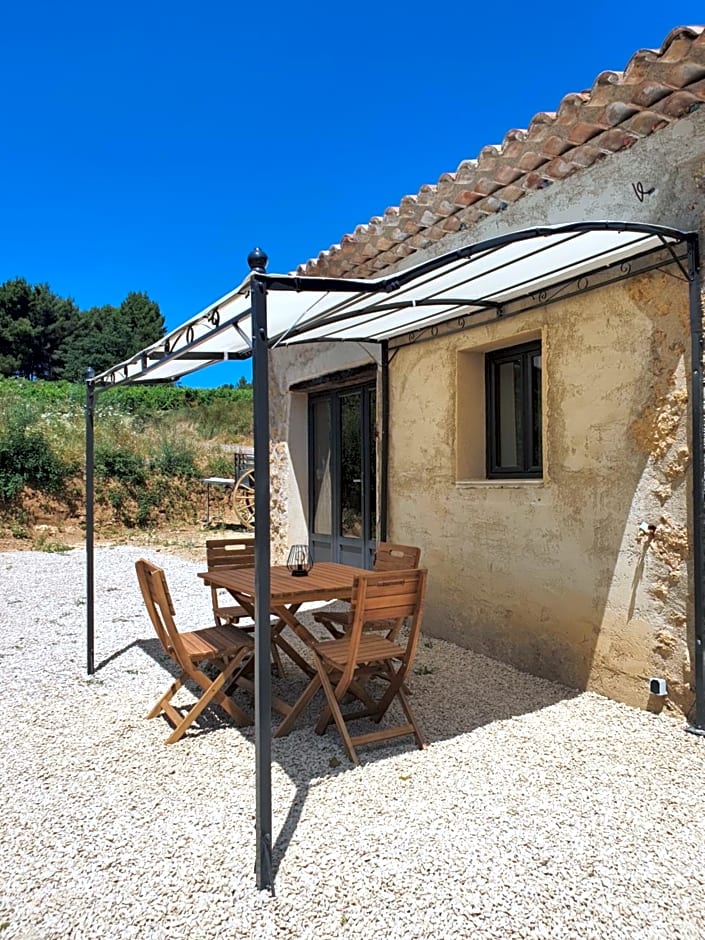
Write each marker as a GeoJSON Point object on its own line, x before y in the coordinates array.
{"type": "Point", "coordinates": [326, 581]}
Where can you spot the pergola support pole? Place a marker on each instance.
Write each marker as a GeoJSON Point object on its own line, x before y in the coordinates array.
{"type": "Point", "coordinates": [90, 561]}
{"type": "Point", "coordinates": [384, 447]}
{"type": "Point", "coordinates": [698, 471]}
{"type": "Point", "coordinates": [263, 679]}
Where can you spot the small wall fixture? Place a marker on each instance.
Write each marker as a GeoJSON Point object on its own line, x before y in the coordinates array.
{"type": "Point", "coordinates": [299, 561]}
{"type": "Point", "coordinates": [646, 529]}
{"type": "Point", "coordinates": [657, 686]}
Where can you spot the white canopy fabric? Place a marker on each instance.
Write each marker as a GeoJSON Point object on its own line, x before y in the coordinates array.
{"type": "Point", "coordinates": [486, 276]}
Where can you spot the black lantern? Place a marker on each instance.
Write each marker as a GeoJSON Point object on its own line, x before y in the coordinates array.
{"type": "Point", "coordinates": [299, 561]}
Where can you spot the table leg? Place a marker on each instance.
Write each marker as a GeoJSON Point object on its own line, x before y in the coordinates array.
{"type": "Point", "coordinates": [287, 618]}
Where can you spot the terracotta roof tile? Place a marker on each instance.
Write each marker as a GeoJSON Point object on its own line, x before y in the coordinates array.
{"type": "Point", "coordinates": [656, 88]}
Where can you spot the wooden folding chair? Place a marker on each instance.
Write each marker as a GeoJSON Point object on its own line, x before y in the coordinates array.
{"type": "Point", "coordinates": [345, 664]}
{"type": "Point", "coordinates": [226, 647]}
{"type": "Point", "coordinates": [228, 553]}
{"type": "Point", "coordinates": [388, 557]}
{"type": "Point", "coordinates": [234, 553]}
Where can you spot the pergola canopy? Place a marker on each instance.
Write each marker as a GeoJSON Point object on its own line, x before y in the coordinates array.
{"type": "Point", "coordinates": [487, 279]}
{"type": "Point", "coordinates": [498, 277]}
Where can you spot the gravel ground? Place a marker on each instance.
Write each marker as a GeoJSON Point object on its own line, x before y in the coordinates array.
{"type": "Point", "coordinates": [535, 812]}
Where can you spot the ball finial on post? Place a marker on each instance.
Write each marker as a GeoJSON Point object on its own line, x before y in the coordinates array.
{"type": "Point", "coordinates": [257, 260]}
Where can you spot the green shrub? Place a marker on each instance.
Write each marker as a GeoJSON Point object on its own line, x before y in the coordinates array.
{"type": "Point", "coordinates": [147, 400]}
{"type": "Point", "coordinates": [46, 395]}
{"type": "Point", "coordinates": [120, 464]}
{"type": "Point", "coordinates": [175, 459]}
{"type": "Point", "coordinates": [225, 417]}
{"type": "Point", "coordinates": [27, 459]}
{"type": "Point", "coordinates": [220, 465]}
{"type": "Point", "coordinates": [146, 503]}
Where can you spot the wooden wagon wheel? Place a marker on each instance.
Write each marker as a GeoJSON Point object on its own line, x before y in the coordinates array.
{"type": "Point", "coordinates": [244, 498]}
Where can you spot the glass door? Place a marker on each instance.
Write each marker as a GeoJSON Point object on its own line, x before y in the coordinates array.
{"type": "Point", "coordinates": [342, 461]}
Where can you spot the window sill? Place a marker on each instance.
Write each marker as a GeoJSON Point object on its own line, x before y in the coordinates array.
{"type": "Point", "coordinates": [500, 484]}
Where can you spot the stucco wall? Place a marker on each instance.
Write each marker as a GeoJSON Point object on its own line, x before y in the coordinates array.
{"type": "Point", "coordinates": [554, 575]}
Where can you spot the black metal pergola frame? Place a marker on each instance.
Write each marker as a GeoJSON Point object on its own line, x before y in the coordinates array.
{"type": "Point", "coordinates": [676, 248]}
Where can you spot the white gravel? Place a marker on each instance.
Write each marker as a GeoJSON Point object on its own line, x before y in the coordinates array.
{"type": "Point", "coordinates": [535, 812]}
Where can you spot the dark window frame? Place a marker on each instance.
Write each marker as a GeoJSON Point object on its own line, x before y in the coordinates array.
{"type": "Point", "coordinates": [526, 469]}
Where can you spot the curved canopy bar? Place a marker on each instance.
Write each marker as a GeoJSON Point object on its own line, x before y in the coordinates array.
{"type": "Point", "coordinates": [487, 277]}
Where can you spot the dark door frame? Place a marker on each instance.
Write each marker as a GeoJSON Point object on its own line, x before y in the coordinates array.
{"type": "Point", "coordinates": [334, 393]}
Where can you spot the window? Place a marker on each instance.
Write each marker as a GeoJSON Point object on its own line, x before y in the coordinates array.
{"type": "Point", "coordinates": [513, 389]}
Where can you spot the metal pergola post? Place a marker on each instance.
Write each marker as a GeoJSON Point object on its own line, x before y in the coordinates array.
{"type": "Point", "coordinates": [257, 261]}
{"type": "Point", "coordinates": [384, 448]}
{"type": "Point", "coordinates": [90, 537]}
{"type": "Point", "coordinates": [698, 471]}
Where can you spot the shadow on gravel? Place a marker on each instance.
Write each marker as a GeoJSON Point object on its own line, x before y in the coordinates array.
{"type": "Point", "coordinates": [454, 692]}
{"type": "Point", "coordinates": [117, 654]}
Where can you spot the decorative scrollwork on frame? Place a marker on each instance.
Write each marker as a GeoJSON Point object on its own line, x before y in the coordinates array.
{"type": "Point", "coordinates": [461, 322]}
{"type": "Point", "coordinates": [583, 283]}
{"type": "Point", "coordinates": [214, 317]}
{"type": "Point", "coordinates": [626, 267]}
{"type": "Point", "coordinates": [434, 331]}
{"type": "Point", "coordinates": [189, 335]}
{"type": "Point", "coordinates": [412, 336]}
{"type": "Point", "coordinates": [167, 348]}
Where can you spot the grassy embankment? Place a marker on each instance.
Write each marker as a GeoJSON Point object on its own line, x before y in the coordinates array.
{"type": "Point", "coordinates": [151, 446]}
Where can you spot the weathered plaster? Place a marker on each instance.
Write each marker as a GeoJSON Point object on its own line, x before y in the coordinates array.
{"type": "Point", "coordinates": [556, 578]}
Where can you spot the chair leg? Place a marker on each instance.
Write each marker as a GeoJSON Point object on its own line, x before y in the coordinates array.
{"type": "Point", "coordinates": [420, 740]}
{"type": "Point", "coordinates": [334, 630]}
{"type": "Point", "coordinates": [356, 690]}
{"type": "Point", "coordinates": [333, 703]}
{"type": "Point", "coordinates": [159, 706]}
{"type": "Point", "coordinates": [211, 693]}
{"type": "Point", "coordinates": [395, 680]}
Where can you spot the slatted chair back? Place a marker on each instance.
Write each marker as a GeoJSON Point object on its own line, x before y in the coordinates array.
{"type": "Point", "coordinates": [230, 553]}
{"type": "Point", "coordinates": [392, 557]}
{"type": "Point", "coordinates": [387, 596]}
{"type": "Point", "coordinates": [160, 607]}
{"type": "Point", "coordinates": [389, 556]}
{"type": "Point", "coordinates": [345, 665]}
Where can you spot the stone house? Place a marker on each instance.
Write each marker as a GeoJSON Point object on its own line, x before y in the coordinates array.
{"type": "Point", "coordinates": [541, 461]}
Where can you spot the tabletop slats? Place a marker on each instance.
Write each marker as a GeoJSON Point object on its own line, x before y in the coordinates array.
{"type": "Point", "coordinates": [327, 580]}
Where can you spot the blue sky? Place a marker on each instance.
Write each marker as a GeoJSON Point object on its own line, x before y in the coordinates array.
{"type": "Point", "coordinates": [149, 146]}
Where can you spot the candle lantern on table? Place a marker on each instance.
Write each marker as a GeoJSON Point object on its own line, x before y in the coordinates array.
{"type": "Point", "coordinates": [299, 561]}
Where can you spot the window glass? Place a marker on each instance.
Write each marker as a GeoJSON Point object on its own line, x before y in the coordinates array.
{"type": "Point", "coordinates": [371, 425]}
{"type": "Point", "coordinates": [351, 465]}
{"type": "Point", "coordinates": [321, 467]}
{"type": "Point", "coordinates": [513, 384]}
{"type": "Point", "coordinates": [509, 414]}
{"type": "Point", "coordinates": [537, 430]}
